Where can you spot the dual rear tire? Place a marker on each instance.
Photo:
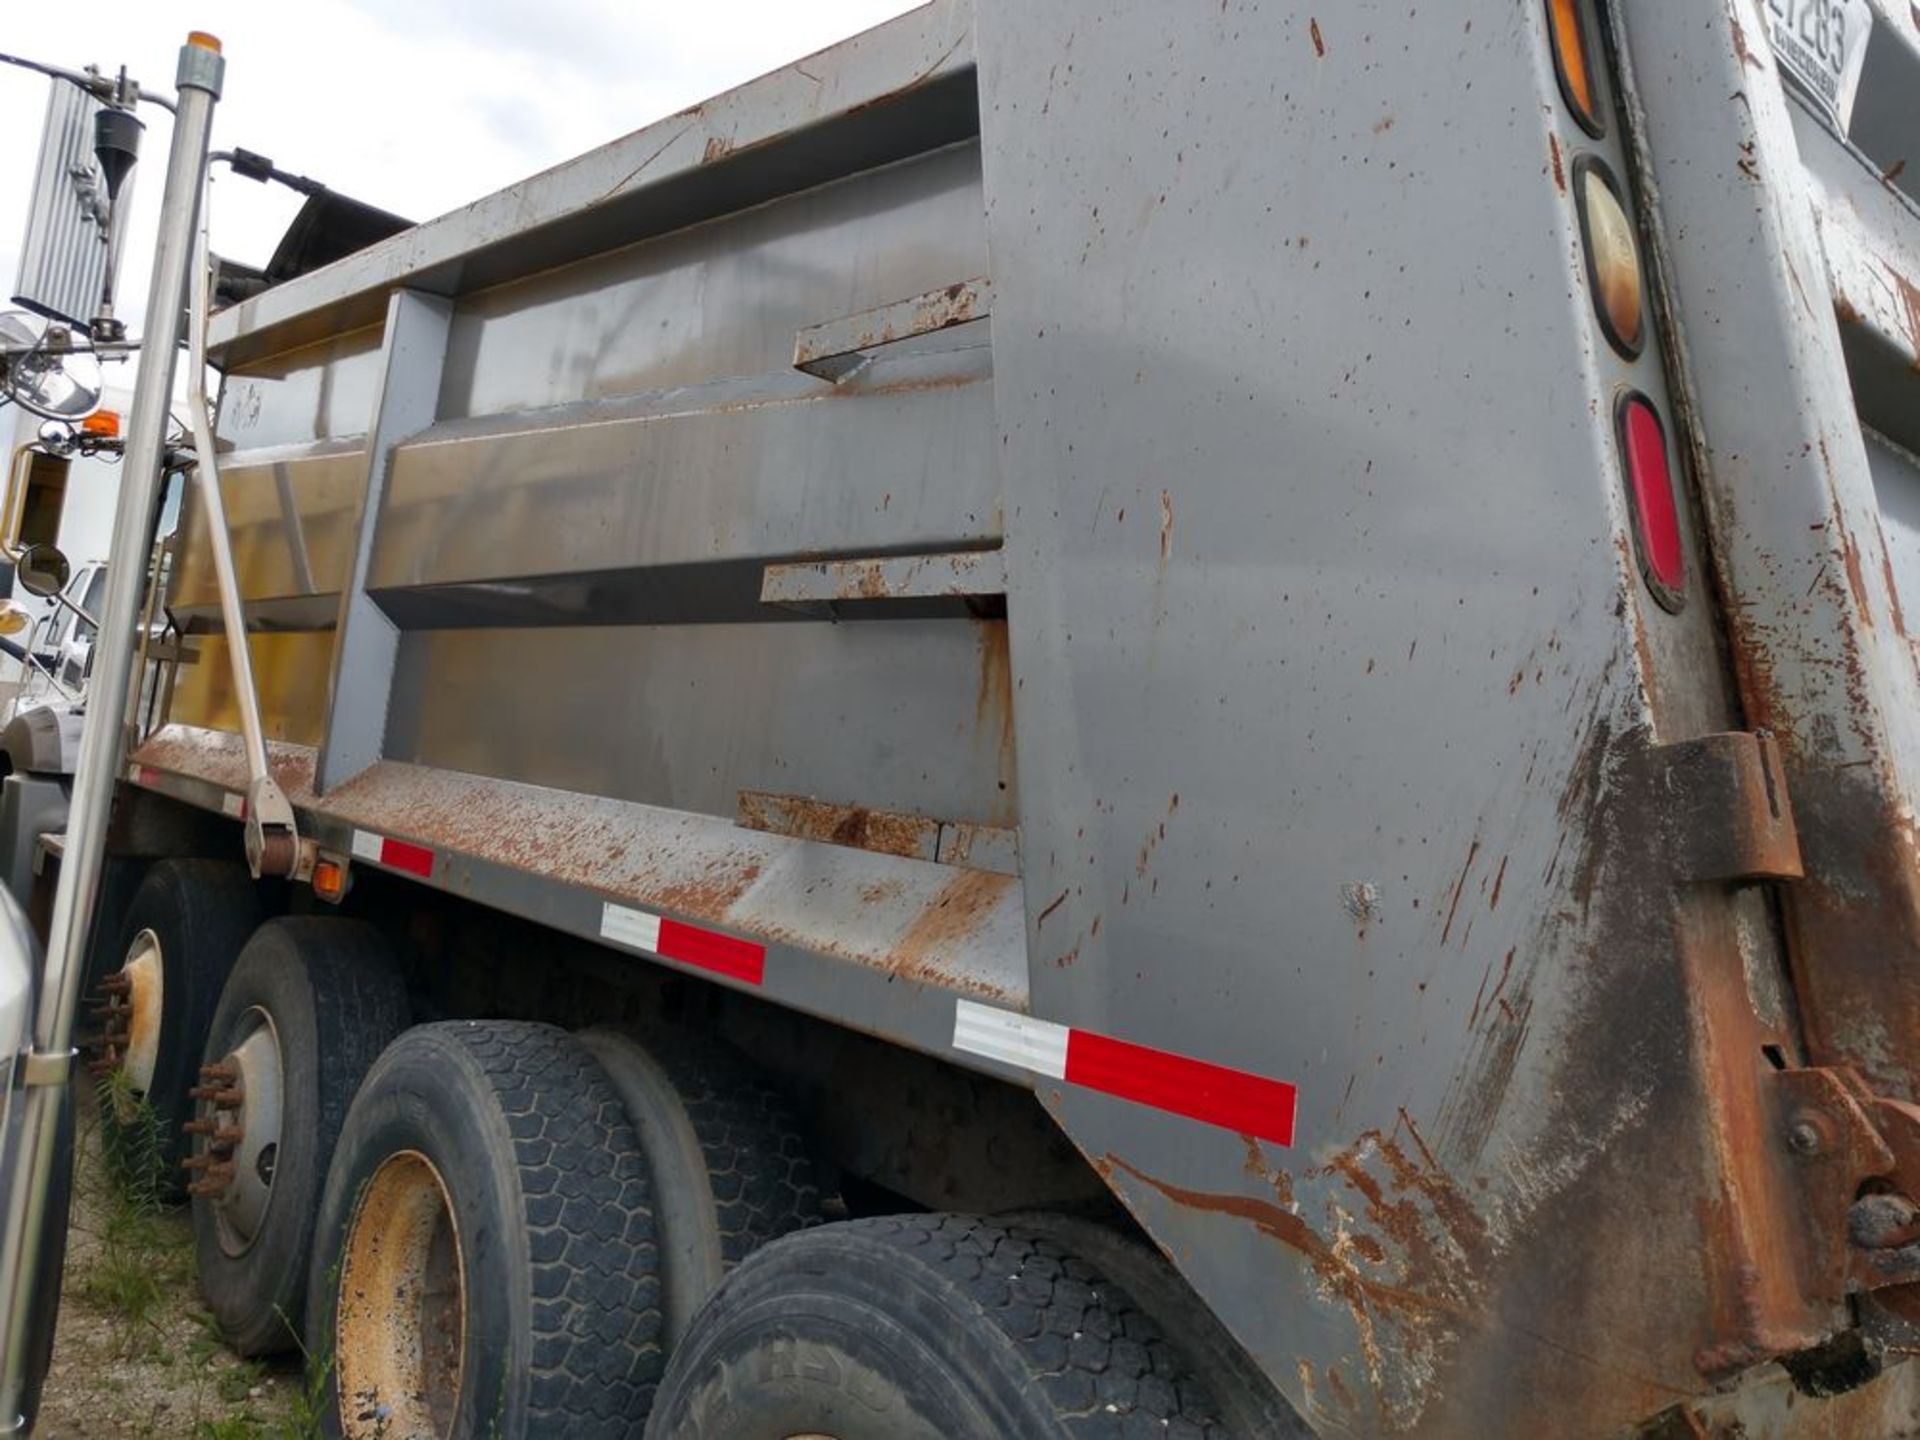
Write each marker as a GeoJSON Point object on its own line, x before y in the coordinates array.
{"type": "Point", "coordinates": [521, 1226]}
{"type": "Point", "coordinates": [497, 1227]}
{"type": "Point", "coordinates": [487, 1259]}
{"type": "Point", "coordinates": [519, 1223]}
{"type": "Point", "coordinates": [926, 1327]}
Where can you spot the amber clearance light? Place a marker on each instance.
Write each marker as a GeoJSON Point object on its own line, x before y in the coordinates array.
{"type": "Point", "coordinates": [1573, 60]}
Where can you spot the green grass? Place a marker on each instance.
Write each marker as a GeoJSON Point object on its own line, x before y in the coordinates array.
{"type": "Point", "coordinates": [139, 1276]}
{"type": "Point", "coordinates": [144, 1258]}
{"type": "Point", "coordinates": [133, 1143]}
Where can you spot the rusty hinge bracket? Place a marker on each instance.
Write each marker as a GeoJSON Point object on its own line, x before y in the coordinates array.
{"type": "Point", "coordinates": [1885, 1225]}
{"type": "Point", "coordinates": [1721, 802]}
{"type": "Point", "coordinates": [1831, 1147]}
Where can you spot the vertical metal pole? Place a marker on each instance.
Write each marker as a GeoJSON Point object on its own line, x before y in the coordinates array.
{"type": "Point", "coordinates": [273, 846]}
{"type": "Point", "coordinates": [48, 1066]}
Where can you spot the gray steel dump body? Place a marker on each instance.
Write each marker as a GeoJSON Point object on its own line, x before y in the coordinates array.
{"type": "Point", "coordinates": [1088, 541]}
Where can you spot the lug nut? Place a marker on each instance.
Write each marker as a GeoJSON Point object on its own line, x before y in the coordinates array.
{"type": "Point", "coordinates": [217, 1179]}
{"type": "Point", "coordinates": [219, 1072]}
{"type": "Point", "coordinates": [219, 1099]}
{"type": "Point", "coordinates": [120, 984]}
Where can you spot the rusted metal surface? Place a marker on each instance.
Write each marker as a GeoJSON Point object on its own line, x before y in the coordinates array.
{"type": "Point", "coordinates": [1814, 620]}
{"type": "Point", "coordinates": [886, 832]}
{"type": "Point", "coordinates": [817, 585]}
{"type": "Point", "coordinates": [400, 1333]}
{"type": "Point", "coordinates": [955, 930]}
{"type": "Point", "coordinates": [1722, 810]}
{"type": "Point", "coordinates": [1835, 1151]}
{"type": "Point", "coordinates": [838, 349]}
{"type": "Point", "coordinates": [963, 844]}
{"type": "Point", "coordinates": [1453, 1282]}
{"type": "Point", "coordinates": [1771, 1407]}
{"type": "Point", "coordinates": [980, 847]}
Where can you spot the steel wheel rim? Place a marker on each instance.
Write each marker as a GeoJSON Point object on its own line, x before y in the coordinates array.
{"type": "Point", "coordinates": [145, 970]}
{"type": "Point", "coordinates": [400, 1318]}
{"type": "Point", "coordinates": [240, 1209]}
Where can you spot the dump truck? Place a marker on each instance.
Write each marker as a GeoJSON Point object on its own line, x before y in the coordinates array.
{"type": "Point", "coordinates": [1079, 720]}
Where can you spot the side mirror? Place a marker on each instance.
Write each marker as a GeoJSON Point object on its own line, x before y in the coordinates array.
{"type": "Point", "coordinates": [44, 571]}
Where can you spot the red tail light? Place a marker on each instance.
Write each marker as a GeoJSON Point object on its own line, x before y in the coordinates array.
{"type": "Point", "coordinates": [1656, 515]}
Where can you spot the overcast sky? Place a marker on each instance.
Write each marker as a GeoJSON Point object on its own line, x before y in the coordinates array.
{"type": "Point", "coordinates": [417, 106]}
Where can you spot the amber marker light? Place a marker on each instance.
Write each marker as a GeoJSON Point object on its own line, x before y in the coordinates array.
{"type": "Point", "coordinates": [1572, 31]}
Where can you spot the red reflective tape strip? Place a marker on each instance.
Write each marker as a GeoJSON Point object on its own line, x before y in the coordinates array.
{"type": "Point", "coordinates": [1212, 1094]}
{"type": "Point", "coordinates": [727, 955]}
{"type": "Point", "coordinates": [414, 859]}
{"type": "Point", "coordinates": [149, 777]}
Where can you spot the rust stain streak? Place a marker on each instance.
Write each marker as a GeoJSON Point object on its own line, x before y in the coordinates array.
{"type": "Point", "coordinates": [1910, 299]}
{"type": "Point", "coordinates": [1290, 1230]}
{"type": "Point", "coordinates": [1413, 1132]}
{"type": "Point", "coordinates": [946, 923]}
{"type": "Point", "coordinates": [1459, 885]}
{"type": "Point", "coordinates": [1506, 969]}
{"type": "Point", "coordinates": [1474, 1017]}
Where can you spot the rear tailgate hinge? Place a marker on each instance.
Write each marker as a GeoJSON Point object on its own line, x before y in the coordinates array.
{"type": "Point", "coordinates": [1721, 804]}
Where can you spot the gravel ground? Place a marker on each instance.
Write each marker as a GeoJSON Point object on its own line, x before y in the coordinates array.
{"type": "Point", "coordinates": [136, 1354]}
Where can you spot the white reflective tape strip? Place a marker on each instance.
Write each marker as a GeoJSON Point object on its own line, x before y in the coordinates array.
{"type": "Point", "coordinates": [366, 846]}
{"type": "Point", "coordinates": [1036, 1045]}
{"type": "Point", "coordinates": [234, 805]}
{"type": "Point", "coordinates": [630, 927]}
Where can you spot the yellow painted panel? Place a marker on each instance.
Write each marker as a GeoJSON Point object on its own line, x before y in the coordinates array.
{"type": "Point", "coordinates": [291, 670]}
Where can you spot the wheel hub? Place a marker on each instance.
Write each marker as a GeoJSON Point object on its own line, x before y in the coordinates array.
{"type": "Point", "coordinates": [237, 1131]}
{"type": "Point", "coordinates": [400, 1326]}
{"type": "Point", "coordinates": [129, 1015]}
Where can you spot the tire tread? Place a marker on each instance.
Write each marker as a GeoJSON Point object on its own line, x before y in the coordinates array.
{"type": "Point", "coordinates": [596, 1314]}
{"type": "Point", "coordinates": [758, 1162]}
{"type": "Point", "coordinates": [1105, 1368]}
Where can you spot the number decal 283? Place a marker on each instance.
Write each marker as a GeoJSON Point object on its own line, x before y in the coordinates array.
{"type": "Point", "coordinates": [1820, 25]}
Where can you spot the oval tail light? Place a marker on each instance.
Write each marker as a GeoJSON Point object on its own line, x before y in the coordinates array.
{"type": "Point", "coordinates": [1613, 256]}
{"type": "Point", "coordinates": [1657, 539]}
